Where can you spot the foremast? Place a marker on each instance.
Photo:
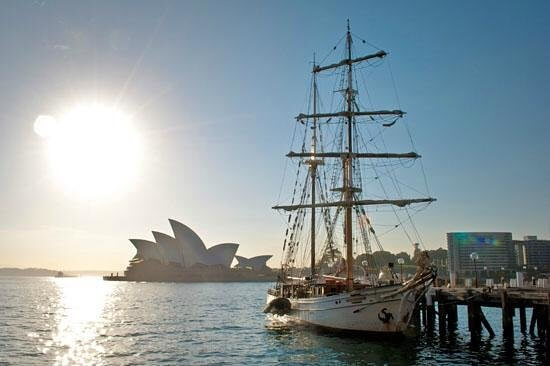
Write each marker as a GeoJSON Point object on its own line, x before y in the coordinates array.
{"type": "Point", "coordinates": [313, 162]}
{"type": "Point", "coordinates": [315, 158]}
{"type": "Point", "coordinates": [348, 169]}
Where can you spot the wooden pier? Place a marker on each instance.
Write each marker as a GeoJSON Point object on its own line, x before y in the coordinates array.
{"type": "Point", "coordinates": [507, 299]}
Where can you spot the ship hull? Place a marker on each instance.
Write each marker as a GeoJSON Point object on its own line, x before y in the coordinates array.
{"type": "Point", "coordinates": [372, 310]}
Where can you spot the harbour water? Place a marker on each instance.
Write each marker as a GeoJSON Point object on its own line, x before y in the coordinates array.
{"type": "Point", "coordinates": [89, 321]}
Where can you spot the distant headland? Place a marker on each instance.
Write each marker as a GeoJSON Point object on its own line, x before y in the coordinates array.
{"type": "Point", "coordinates": [27, 272]}
{"type": "Point", "coordinates": [44, 272]}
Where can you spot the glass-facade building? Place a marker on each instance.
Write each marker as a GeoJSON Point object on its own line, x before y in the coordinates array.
{"type": "Point", "coordinates": [495, 251]}
{"type": "Point", "coordinates": [533, 252]}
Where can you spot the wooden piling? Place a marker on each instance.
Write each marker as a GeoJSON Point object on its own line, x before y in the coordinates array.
{"type": "Point", "coordinates": [430, 313]}
{"type": "Point", "coordinates": [533, 322]}
{"type": "Point", "coordinates": [544, 321]}
{"type": "Point", "coordinates": [486, 323]}
{"type": "Point", "coordinates": [538, 314]}
{"type": "Point", "coordinates": [452, 315]}
{"type": "Point", "coordinates": [423, 309]}
{"type": "Point", "coordinates": [522, 320]}
{"type": "Point", "coordinates": [442, 311]}
{"type": "Point", "coordinates": [416, 317]}
{"type": "Point", "coordinates": [507, 314]}
{"type": "Point", "coordinates": [474, 320]}
{"type": "Point", "coordinates": [541, 321]}
{"type": "Point", "coordinates": [470, 317]}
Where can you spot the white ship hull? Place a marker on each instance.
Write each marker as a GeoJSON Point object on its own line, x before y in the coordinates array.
{"type": "Point", "coordinates": [366, 310]}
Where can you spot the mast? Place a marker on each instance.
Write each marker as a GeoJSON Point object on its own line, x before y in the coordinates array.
{"type": "Point", "coordinates": [347, 173]}
{"type": "Point", "coordinates": [313, 169]}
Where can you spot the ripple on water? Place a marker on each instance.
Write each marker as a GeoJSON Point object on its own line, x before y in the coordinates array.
{"type": "Point", "coordinates": [88, 321]}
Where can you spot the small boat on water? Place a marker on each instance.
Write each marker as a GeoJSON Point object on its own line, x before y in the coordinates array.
{"type": "Point", "coordinates": [340, 159]}
{"type": "Point", "coordinates": [60, 274]}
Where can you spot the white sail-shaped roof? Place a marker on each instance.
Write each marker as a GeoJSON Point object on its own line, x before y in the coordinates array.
{"type": "Point", "coordinates": [147, 249]}
{"type": "Point", "coordinates": [190, 242]}
{"type": "Point", "coordinates": [222, 254]}
{"type": "Point", "coordinates": [172, 250]}
{"type": "Point", "coordinates": [195, 251]}
{"type": "Point", "coordinates": [256, 263]}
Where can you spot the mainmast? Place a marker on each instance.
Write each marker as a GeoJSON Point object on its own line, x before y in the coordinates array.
{"type": "Point", "coordinates": [348, 173]}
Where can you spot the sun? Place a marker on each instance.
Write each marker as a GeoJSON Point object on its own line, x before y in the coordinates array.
{"type": "Point", "coordinates": [93, 150]}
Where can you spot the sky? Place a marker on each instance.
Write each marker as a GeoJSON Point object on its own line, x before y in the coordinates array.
{"type": "Point", "coordinates": [213, 86]}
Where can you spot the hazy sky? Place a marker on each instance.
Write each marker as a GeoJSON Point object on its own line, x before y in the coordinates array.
{"type": "Point", "coordinates": [213, 87]}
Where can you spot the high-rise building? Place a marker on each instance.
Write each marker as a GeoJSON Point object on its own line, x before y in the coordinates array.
{"type": "Point", "coordinates": [495, 251]}
{"type": "Point", "coordinates": [533, 252]}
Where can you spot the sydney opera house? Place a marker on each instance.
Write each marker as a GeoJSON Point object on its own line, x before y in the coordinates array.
{"type": "Point", "coordinates": [184, 258]}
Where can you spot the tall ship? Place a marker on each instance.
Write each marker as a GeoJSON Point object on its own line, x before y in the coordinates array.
{"type": "Point", "coordinates": [344, 178]}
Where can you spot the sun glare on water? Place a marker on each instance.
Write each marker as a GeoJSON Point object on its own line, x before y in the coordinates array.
{"type": "Point", "coordinates": [93, 150]}
{"type": "Point", "coordinates": [84, 314]}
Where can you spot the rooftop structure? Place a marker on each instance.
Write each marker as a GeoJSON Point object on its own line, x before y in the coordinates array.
{"type": "Point", "coordinates": [147, 250]}
{"type": "Point", "coordinates": [169, 247]}
{"type": "Point", "coordinates": [255, 263]}
{"type": "Point", "coordinates": [185, 249]}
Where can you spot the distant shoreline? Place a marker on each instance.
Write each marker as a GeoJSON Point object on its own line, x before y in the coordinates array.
{"type": "Point", "coordinates": [27, 272]}
{"type": "Point", "coordinates": [43, 272]}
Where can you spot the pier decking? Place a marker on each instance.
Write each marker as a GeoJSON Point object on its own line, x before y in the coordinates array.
{"type": "Point", "coordinates": [443, 302]}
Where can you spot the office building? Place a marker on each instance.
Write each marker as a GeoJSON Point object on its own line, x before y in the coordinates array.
{"type": "Point", "coordinates": [495, 251]}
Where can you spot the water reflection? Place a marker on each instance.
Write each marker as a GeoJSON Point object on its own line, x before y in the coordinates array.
{"type": "Point", "coordinates": [455, 346]}
{"type": "Point", "coordinates": [80, 320]}
{"type": "Point", "coordinates": [308, 344]}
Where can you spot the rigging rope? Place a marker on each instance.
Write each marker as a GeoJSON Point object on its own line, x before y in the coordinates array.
{"type": "Point", "coordinates": [333, 133]}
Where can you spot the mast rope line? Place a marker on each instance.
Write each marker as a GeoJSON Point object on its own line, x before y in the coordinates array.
{"type": "Point", "coordinates": [289, 239]}
{"type": "Point", "coordinates": [365, 41]}
{"type": "Point", "coordinates": [393, 84]}
{"type": "Point", "coordinates": [286, 164]}
{"type": "Point", "coordinates": [370, 65]}
{"type": "Point", "coordinates": [380, 132]}
{"type": "Point", "coordinates": [296, 231]}
{"type": "Point", "coordinates": [329, 226]}
{"type": "Point", "coordinates": [397, 225]}
{"type": "Point", "coordinates": [407, 126]}
{"type": "Point", "coordinates": [333, 49]}
{"type": "Point", "coordinates": [385, 193]}
{"type": "Point", "coordinates": [287, 160]}
{"type": "Point", "coordinates": [413, 147]}
{"type": "Point", "coordinates": [298, 167]}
